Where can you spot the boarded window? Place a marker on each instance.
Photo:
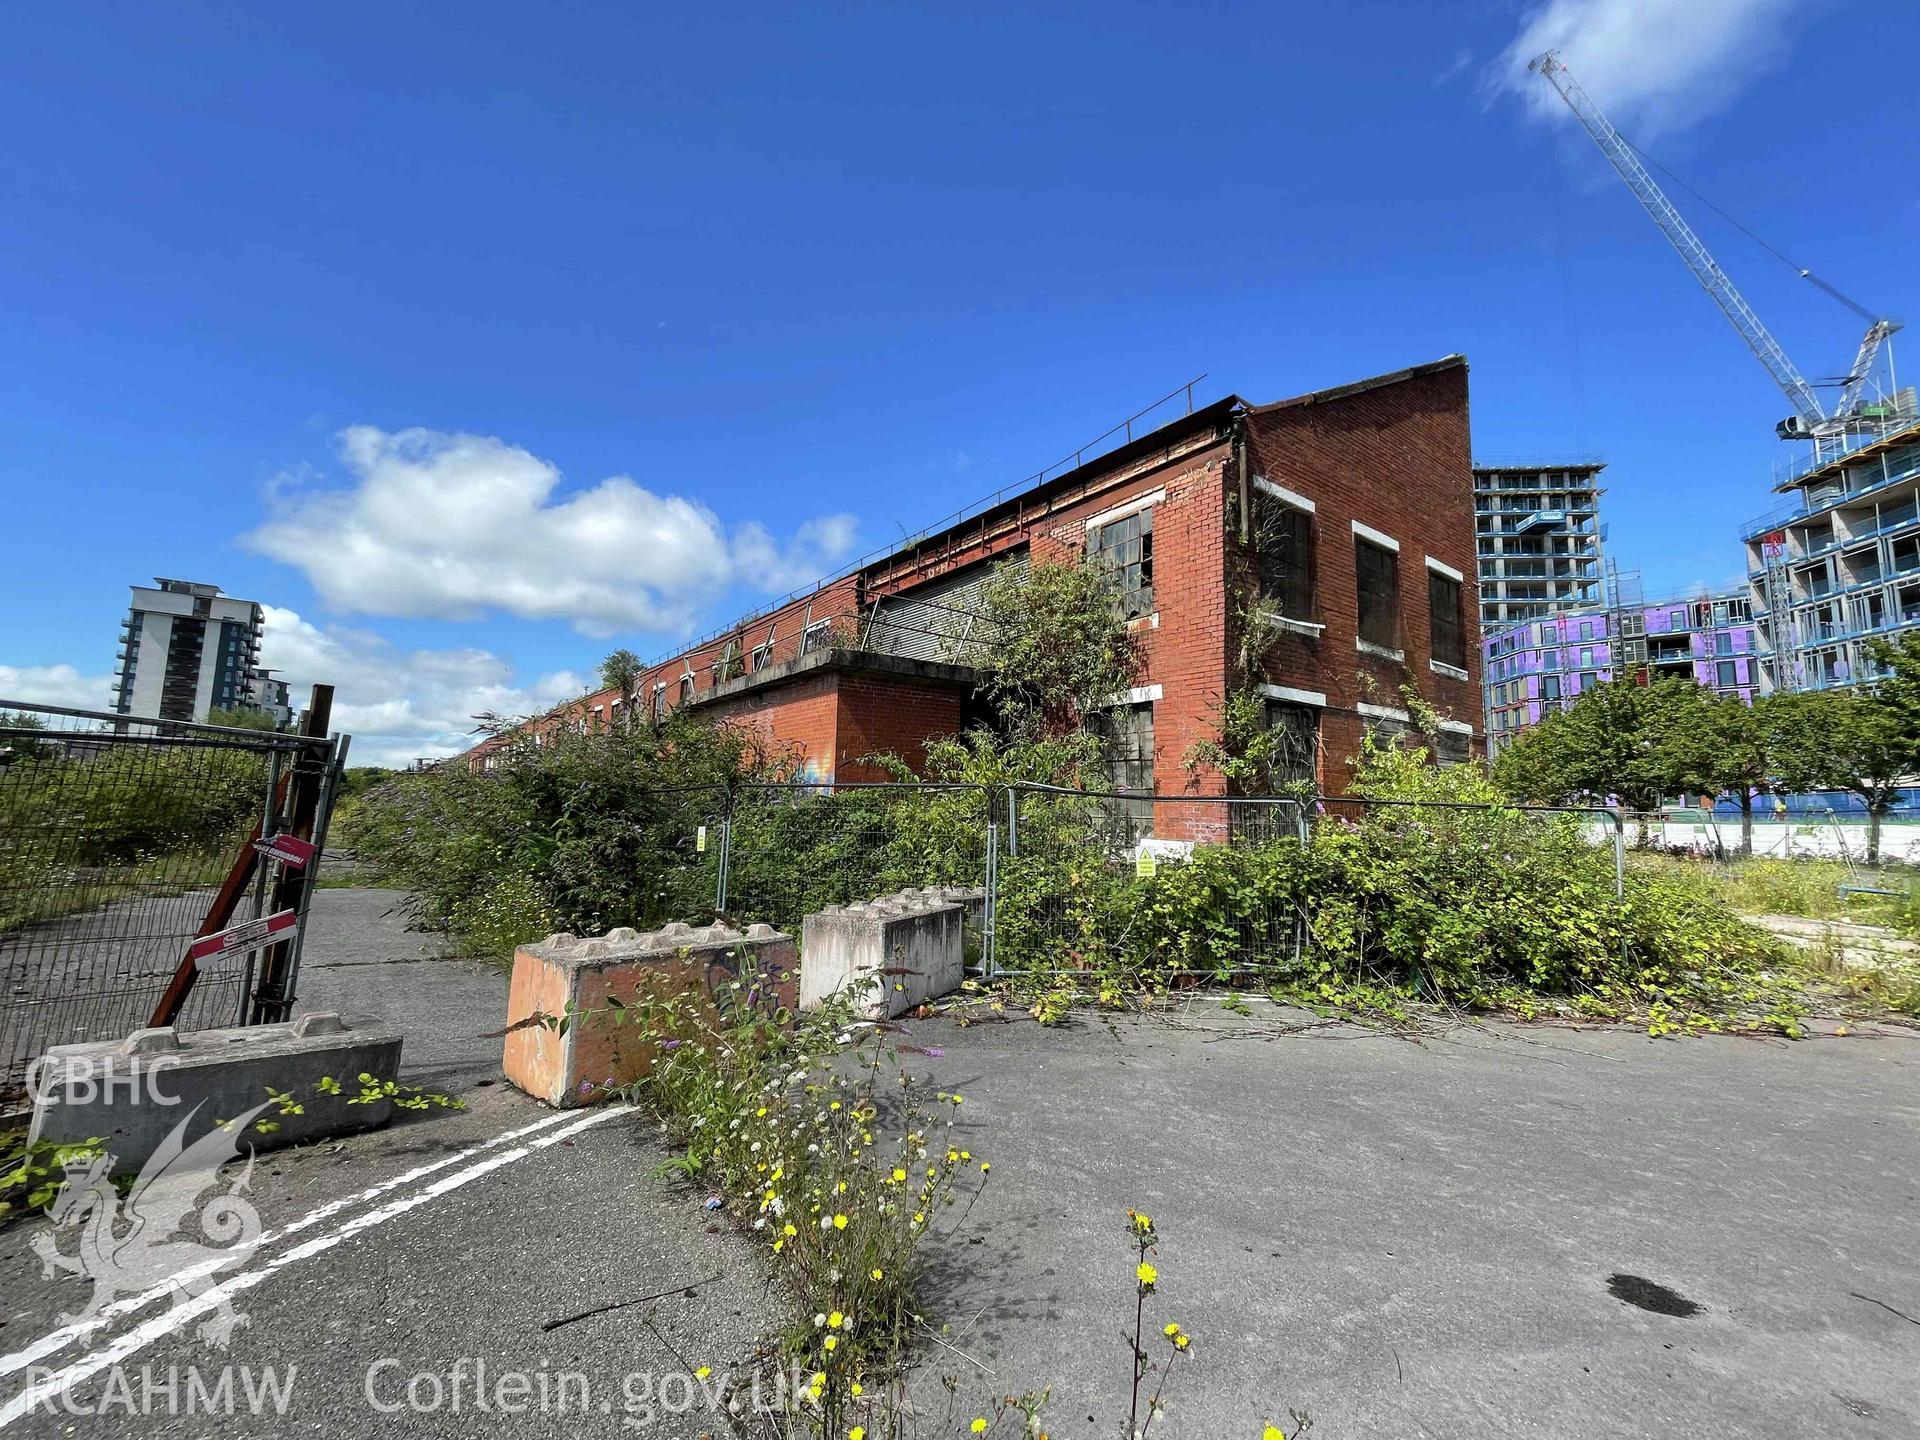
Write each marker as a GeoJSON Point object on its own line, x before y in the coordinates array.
{"type": "Point", "coordinates": [1285, 557]}
{"type": "Point", "coordinates": [1295, 733]}
{"type": "Point", "coordinates": [1383, 730]}
{"type": "Point", "coordinates": [1125, 547]}
{"type": "Point", "coordinates": [686, 687]}
{"type": "Point", "coordinates": [1448, 631]}
{"type": "Point", "coordinates": [1452, 747]}
{"type": "Point", "coordinates": [1377, 580]}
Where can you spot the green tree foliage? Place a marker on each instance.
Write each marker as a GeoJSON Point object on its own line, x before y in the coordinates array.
{"type": "Point", "coordinates": [242, 717]}
{"type": "Point", "coordinates": [1726, 747]}
{"type": "Point", "coordinates": [1899, 692]}
{"type": "Point", "coordinates": [622, 671]}
{"type": "Point", "coordinates": [1051, 646]}
{"type": "Point", "coordinates": [581, 832]}
{"type": "Point", "coordinates": [1618, 741]}
{"type": "Point", "coordinates": [1852, 740]}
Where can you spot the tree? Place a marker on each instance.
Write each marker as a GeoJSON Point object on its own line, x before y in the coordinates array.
{"type": "Point", "coordinates": [1052, 647]}
{"type": "Point", "coordinates": [1616, 742]}
{"type": "Point", "coordinates": [1852, 740]}
{"type": "Point", "coordinates": [1725, 747]}
{"type": "Point", "coordinates": [243, 717]}
{"type": "Point", "coordinates": [623, 671]}
{"type": "Point", "coordinates": [1900, 691]}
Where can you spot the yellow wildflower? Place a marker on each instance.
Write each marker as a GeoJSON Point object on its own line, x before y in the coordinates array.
{"type": "Point", "coordinates": [1145, 1272]}
{"type": "Point", "coordinates": [839, 1222]}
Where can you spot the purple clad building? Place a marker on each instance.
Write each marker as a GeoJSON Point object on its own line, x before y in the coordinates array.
{"type": "Point", "coordinates": [1538, 666]}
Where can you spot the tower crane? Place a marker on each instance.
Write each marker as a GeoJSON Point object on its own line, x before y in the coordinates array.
{"type": "Point", "coordinates": [1810, 420]}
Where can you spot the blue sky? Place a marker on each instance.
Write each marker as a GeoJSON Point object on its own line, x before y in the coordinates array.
{"type": "Point", "coordinates": [476, 340]}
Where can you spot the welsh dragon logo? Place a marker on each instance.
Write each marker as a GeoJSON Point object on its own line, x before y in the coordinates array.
{"type": "Point", "coordinates": [160, 1234]}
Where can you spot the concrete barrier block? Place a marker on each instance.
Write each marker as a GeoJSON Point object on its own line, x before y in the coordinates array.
{"type": "Point", "coordinates": [893, 953]}
{"type": "Point", "coordinates": [132, 1092]}
{"type": "Point", "coordinates": [972, 900]}
{"type": "Point", "coordinates": [581, 1066]}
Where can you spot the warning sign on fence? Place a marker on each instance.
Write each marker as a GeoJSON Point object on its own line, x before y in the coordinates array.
{"type": "Point", "coordinates": [289, 850]}
{"type": "Point", "coordinates": [248, 935]}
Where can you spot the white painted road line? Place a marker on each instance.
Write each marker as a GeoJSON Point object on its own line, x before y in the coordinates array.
{"type": "Point", "coordinates": [58, 1339]}
{"type": "Point", "coordinates": [164, 1324]}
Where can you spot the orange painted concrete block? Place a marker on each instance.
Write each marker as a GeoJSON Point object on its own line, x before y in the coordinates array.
{"type": "Point", "coordinates": [581, 1066]}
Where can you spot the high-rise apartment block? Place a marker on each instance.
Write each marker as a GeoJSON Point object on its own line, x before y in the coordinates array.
{"type": "Point", "coordinates": [1840, 565]}
{"type": "Point", "coordinates": [1537, 533]}
{"type": "Point", "coordinates": [186, 649]}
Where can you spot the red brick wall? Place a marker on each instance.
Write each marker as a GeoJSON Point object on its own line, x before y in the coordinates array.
{"type": "Point", "coordinates": [880, 715]}
{"type": "Point", "coordinates": [1397, 458]}
{"type": "Point", "coordinates": [802, 717]}
{"type": "Point", "coordinates": [1183, 641]}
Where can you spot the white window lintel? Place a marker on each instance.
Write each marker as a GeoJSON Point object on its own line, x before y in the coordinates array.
{"type": "Point", "coordinates": [1294, 695]}
{"type": "Point", "coordinates": [1376, 537]}
{"type": "Point", "coordinates": [1127, 507]}
{"type": "Point", "coordinates": [1282, 494]}
{"type": "Point", "coordinates": [1383, 712]}
{"type": "Point", "coordinates": [1446, 570]}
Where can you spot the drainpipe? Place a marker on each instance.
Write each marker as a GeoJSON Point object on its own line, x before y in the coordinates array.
{"type": "Point", "coordinates": [1246, 489]}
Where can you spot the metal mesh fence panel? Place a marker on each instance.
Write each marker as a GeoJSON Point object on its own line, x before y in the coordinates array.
{"type": "Point", "coordinates": [114, 836]}
{"type": "Point", "coordinates": [1144, 885]}
{"type": "Point", "coordinates": [794, 849]}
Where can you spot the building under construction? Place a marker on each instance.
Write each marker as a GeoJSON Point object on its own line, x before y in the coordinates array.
{"type": "Point", "coordinates": [1537, 533]}
{"type": "Point", "coordinates": [1535, 667]}
{"type": "Point", "coordinates": [1840, 565]}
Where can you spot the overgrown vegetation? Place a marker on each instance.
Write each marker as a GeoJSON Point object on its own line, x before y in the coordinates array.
{"type": "Point", "coordinates": [783, 1119]}
{"type": "Point", "coordinates": [578, 832]}
{"type": "Point", "coordinates": [32, 1175]}
{"type": "Point", "coordinates": [1385, 907]}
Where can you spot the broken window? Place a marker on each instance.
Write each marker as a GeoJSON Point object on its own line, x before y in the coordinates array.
{"type": "Point", "coordinates": [1284, 557]}
{"type": "Point", "coordinates": [1126, 744]}
{"type": "Point", "coordinates": [1125, 547]}
{"type": "Point", "coordinates": [1295, 732]}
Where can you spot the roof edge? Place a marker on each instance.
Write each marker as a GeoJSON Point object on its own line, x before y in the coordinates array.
{"type": "Point", "coordinates": [1360, 387]}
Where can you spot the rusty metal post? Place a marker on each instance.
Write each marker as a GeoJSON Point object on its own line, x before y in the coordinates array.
{"type": "Point", "coordinates": [272, 996]}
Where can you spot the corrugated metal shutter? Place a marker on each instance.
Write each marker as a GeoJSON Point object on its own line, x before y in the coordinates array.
{"type": "Point", "coordinates": [934, 621]}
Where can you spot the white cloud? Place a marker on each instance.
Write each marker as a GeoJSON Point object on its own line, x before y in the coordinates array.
{"type": "Point", "coordinates": [56, 685]}
{"type": "Point", "coordinates": [401, 705]}
{"type": "Point", "coordinates": [455, 526]}
{"type": "Point", "coordinates": [1653, 66]}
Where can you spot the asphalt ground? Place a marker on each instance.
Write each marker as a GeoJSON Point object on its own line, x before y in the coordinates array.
{"type": "Point", "coordinates": [1417, 1239]}
{"type": "Point", "coordinates": [1400, 1238]}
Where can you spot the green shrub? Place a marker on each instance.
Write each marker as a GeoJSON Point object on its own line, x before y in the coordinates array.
{"type": "Point", "coordinates": [1487, 906]}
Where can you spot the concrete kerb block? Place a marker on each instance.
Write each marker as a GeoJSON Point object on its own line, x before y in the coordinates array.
{"type": "Point", "coordinates": [130, 1093]}
{"type": "Point", "coordinates": [568, 974]}
{"type": "Point", "coordinates": [892, 953]}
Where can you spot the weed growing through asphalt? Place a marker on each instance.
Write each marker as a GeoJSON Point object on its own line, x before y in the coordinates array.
{"type": "Point", "coordinates": [835, 1158]}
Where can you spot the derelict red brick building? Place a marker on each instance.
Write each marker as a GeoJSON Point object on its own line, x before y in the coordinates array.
{"type": "Point", "coordinates": [1352, 507]}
